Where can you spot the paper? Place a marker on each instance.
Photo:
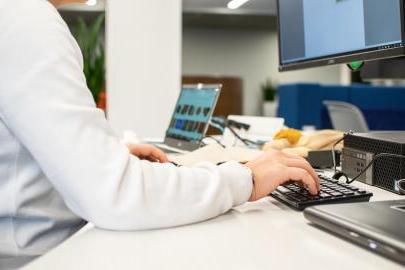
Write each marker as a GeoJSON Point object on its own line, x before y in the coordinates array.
{"type": "Point", "coordinates": [261, 129]}
{"type": "Point", "coordinates": [215, 153]}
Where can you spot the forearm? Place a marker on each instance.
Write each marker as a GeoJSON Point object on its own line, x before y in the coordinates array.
{"type": "Point", "coordinates": [161, 195]}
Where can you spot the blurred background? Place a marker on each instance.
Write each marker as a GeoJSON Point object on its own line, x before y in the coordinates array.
{"type": "Point", "coordinates": [138, 52]}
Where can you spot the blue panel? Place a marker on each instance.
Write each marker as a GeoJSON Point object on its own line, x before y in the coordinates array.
{"type": "Point", "coordinates": [385, 119]}
{"type": "Point", "coordinates": [296, 104]}
{"type": "Point", "coordinates": [369, 97]}
{"type": "Point", "coordinates": [383, 107]}
{"type": "Point", "coordinates": [288, 104]}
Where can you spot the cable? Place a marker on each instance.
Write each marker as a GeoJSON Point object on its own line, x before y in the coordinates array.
{"type": "Point", "coordinates": [221, 123]}
{"type": "Point", "coordinates": [217, 126]}
{"type": "Point", "coordinates": [334, 149]}
{"type": "Point", "coordinates": [216, 140]}
{"type": "Point", "coordinates": [376, 157]}
{"type": "Point", "coordinates": [339, 174]}
{"type": "Point", "coordinates": [237, 135]}
{"type": "Point", "coordinates": [246, 142]}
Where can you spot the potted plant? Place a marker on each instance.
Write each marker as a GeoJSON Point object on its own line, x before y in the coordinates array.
{"type": "Point", "coordinates": [270, 102]}
{"type": "Point", "coordinates": [91, 41]}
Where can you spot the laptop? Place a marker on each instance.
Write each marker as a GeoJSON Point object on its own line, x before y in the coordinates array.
{"type": "Point", "coordinates": [191, 118]}
{"type": "Point", "coordinates": [377, 226]}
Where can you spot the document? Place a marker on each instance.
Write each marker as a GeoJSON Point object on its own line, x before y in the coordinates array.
{"type": "Point", "coordinates": [215, 153]}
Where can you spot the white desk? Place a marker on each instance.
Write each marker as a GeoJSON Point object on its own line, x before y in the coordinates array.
{"type": "Point", "coordinates": [263, 235]}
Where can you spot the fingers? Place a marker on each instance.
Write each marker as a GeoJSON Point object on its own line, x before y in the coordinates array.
{"type": "Point", "coordinates": [298, 174]}
{"type": "Point", "coordinates": [159, 155]}
{"type": "Point", "coordinates": [303, 164]}
{"type": "Point", "coordinates": [293, 156]}
{"type": "Point", "coordinates": [296, 161]}
{"type": "Point", "coordinates": [152, 153]}
{"type": "Point", "coordinates": [148, 152]}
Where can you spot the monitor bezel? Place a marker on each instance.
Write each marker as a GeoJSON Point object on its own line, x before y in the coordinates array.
{"type": "Point", "coordinates": [342, 58]}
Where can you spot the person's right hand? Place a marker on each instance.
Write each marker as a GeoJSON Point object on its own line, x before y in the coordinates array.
{"type": "Point", "coordinates": [275, 168]}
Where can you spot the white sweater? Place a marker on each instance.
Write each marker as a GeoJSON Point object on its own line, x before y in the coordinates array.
{"type": "Point", "coordinates": [60, 162]}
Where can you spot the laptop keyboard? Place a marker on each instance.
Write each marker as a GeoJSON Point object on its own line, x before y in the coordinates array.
{"type": "Point", "coordinates": [332, 191]}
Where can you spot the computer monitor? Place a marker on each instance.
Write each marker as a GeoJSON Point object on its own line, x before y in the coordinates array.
{"type": "Point", "coordinates": [325, 32]}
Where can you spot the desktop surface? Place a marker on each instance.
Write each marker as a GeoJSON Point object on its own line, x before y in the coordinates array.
{"type": "Point", "coordinates": [261, 235]}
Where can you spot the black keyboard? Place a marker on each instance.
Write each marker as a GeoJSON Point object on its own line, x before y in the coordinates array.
{"type": "Point", "coordinates": [332, 191]}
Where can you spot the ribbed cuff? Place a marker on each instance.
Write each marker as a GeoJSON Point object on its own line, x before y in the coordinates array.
{"type": "Point", "coordinates": [239, 179]}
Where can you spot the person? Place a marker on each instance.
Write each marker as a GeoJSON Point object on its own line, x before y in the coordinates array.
{"type": "Point", "coordinates": [61, 165]}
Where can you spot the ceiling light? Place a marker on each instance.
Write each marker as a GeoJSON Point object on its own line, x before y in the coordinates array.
{"type": "Point", "coordinates": [235, 4]}
{"type": "Point", "coordinates": [91, 2]}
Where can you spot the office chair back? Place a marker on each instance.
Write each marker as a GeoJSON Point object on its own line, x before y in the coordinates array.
{"type": "Point", "coordinates": [346, 117]}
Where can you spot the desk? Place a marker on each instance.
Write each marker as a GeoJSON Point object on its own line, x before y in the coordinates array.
{"type": "Point", "coordinates": [261, 235]}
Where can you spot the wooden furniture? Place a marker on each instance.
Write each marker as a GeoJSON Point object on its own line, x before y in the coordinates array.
{"type": "Point", "coordinates": [231, 99]}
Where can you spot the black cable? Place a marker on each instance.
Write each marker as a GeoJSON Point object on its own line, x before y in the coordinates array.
{"type": "Point", "coordinates": [376, 157]}
{"type": "Point", "coordinates": [216, 140]}
{"type": "Point", "coordinates": [334, 149]}
{"type": "Point", "coordinates": [246, 142]}
{"type": "Point", "coordinates": [339, 174]}
{"type": "Point", "coordinates": [237, 135]}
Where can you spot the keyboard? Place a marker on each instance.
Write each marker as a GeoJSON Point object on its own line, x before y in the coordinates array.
{"type": "Point", "coordinates": [332, 191]}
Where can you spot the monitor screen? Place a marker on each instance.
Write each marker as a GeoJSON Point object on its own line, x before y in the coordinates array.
{"type": "Point", "coordinates": [311, 30]}
{"type": "Point", "coordinates": [193, 113]}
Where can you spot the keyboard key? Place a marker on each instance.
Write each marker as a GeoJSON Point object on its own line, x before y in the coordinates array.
{"type": "Point", "coordinates": [343, 190]}
{"type": "Point", "coordinates": [348, 193]}
{"type": "Point", "coordinates": [282, 189]}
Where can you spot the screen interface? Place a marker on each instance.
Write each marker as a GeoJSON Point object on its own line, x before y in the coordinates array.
{"type": "Point", "coordinates": [311, 29]}
{"type": "Point", "coordinates": [192, 113]}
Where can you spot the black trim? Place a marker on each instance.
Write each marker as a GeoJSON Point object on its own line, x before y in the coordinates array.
{"type": "Point", "coordinates": [343, 58]}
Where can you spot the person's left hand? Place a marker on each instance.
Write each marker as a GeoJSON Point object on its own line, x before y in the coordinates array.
{"type": "Point", "coordinates": [148, 152]}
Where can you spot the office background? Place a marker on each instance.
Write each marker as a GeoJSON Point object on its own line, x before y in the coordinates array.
{"type": "Point", "coordinates": [150, 45]}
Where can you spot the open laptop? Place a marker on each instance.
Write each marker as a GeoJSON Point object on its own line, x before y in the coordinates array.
{"type": "Point", "coordinates": [377, 226]}
{"type": "Point", "coordinates": [191, 118]}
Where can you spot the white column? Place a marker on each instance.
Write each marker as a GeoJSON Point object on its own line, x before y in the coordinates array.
{"type": "Point", "coordinates": [143, 64]}
{"type": "Point", "coordinates": [345, 75]}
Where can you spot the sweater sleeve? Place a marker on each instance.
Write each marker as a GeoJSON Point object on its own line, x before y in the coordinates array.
{"type": "Point", "coordinates": [45, 102]}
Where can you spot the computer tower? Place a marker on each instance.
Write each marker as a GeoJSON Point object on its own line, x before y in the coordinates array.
{"type": "Point", "coordinates": [360, 149]}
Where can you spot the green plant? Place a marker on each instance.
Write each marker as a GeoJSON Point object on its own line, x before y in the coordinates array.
{"type": "Point", "coordinates": [91, 41]}
{"type": "Point", "coordinates": [269, 91]}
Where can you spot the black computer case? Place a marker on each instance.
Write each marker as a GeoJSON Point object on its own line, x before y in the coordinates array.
{"type": "Point", "coordinates": [360, 149]}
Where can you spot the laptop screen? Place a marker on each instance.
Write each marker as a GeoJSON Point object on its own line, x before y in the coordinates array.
{"type": "Point", "coordinates": [193, 113]}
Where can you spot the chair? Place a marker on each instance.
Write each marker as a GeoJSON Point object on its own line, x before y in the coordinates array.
{"type": "Point", "coordinates": [346, 117]}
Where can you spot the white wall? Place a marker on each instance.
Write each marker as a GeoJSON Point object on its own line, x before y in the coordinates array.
{"type": "Point", "coordinates": [143, 64]}
{"type": "Point", "coordinates": [251, 55]}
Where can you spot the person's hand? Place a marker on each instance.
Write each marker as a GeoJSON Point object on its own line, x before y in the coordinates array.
{"type": "Point", "coordinates": [148, 152]}
{"type": "Point", "coordinates": [275, 168]}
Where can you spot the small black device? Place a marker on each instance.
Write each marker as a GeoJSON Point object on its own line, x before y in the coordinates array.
{"type": "Point", "coordinates": [386, 172]}
{"type": "Point", "coordinates": [376, 226]}
{"type": "Point", "coordinates": [318, 33]}
{"type": "Point", "coordinates": [323, 159]}
{"type": "Point", "coordinates": [332, 191]}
